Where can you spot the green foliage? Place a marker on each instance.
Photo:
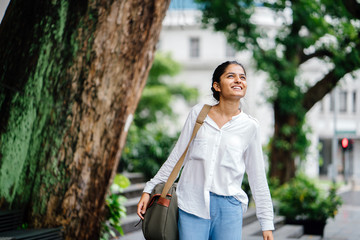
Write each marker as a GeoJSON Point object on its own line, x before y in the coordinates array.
{"type": "Point", "coordinates": [302, 199]}
{"type": "Point", "coordinates": [300, 146]}
{"type": "Point", "coordinates": [155, 102]}
{"type": "Point", "coordinates": [149, 141]}
{"type": "Point", "coordinates": [24, 226]}
{"type": "Point", "coordinates": [163, 65]}
{"type": "Point", "coordinates": [120, 182]}
{"type": "Point", "coordinates": [147, 149]}
{"type": "Point", "coordinates": [115, 208]}
{"type": "Point", "coordinates": [274, 184]}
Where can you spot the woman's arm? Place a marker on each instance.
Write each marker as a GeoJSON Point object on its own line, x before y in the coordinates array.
{"type": "Point", "coordinates": [255, 169]}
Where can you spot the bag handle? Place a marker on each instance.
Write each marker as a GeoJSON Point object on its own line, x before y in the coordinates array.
{"type": "Point", "coordinates": [199, 121]}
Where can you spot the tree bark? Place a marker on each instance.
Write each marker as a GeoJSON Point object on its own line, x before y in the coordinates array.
{"type": "Point", "coordinates": [320, 89]}
{"type": "Point", "coordinates": [73, 73]}
{"type": "Point", "coordinates": [282, 155]}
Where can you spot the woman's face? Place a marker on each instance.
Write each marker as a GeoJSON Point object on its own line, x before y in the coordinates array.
{"type": "Point", "coordinates": [233, 83]}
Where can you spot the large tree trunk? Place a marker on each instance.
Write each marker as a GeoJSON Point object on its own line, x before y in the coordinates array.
{"type": "Point", "coordinates": [282, 152]}
{"type": "Point", "coordinates": [72, 74]}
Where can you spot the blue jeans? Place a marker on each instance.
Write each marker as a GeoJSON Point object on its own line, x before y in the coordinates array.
{"type": "Point", "coordinates": [225, 221]}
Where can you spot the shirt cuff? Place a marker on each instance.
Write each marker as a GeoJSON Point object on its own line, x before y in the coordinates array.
{"type": "Point", "coordinates": [267, 225]}
{"type": "Point", "coordinates": [149, 187]}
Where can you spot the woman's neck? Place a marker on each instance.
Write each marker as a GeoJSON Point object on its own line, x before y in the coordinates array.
{"type": "Point", "coordinates": [228, 108]}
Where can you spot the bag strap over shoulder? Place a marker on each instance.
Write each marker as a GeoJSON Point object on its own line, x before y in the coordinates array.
{"type": "Point", "coordinates": [199, 121]}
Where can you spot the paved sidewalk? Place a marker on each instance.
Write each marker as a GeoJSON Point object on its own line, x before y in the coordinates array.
{"type": "Point", "coordinates": [346, 225]}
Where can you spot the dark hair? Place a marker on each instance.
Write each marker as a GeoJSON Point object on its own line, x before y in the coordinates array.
{"type": "Point", "coordinates": [217, 74]}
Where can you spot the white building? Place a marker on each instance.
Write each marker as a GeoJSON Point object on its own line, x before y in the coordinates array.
{"type": "Point", "coordinates": [201, 50]}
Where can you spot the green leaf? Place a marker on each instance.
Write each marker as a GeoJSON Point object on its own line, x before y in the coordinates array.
{"type": "Point", "coordinates": [122, 181]}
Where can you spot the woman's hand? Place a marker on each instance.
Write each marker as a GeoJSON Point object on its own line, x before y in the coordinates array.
{"type": "Point", "coordinates": [268, 235]}
{"type": "Point", "coordinates": [142, 205]}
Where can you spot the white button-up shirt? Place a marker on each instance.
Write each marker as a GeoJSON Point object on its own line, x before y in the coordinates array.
{"type": "Point", "coordinates": [216, 162]}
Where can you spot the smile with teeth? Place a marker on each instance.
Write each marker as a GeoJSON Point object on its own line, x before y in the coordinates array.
{"type": "Point", "coordinates": [237, 87]}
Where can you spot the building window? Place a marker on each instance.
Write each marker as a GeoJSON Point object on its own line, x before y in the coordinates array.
{"type": "Point", "coordinates": [194, 47]}
{"type": "Point", "coordinates": [354, 102]}
{"type": "Point", "coordinates": [230, 51]}
{"type": "Point", "coordinates": [343, 101]}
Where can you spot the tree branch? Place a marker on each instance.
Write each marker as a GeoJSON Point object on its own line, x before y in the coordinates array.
{"type": "Point", "coordinates": [319, 54]}
{"type": "Point", "coordinates": [320, 89]}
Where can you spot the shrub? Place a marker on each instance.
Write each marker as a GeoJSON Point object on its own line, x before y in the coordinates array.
{"type": "Point", "coordinates": [301, 199]}
{"type": "Point", "coordinates": [115, 208]}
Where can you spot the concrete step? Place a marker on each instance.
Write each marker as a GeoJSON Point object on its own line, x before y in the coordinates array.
{"type": "Point", "coordinates": [249, 216]}
{"type": "Point", "coordinates": [251, 237]}
{"type": "Point", "coordinates": [310, 237]}
{"type": "Point", "coordinates": [137, 235]}
{"type": "Point", "coordinates": [131, 205]}
{"type": "Point", "coordinates": [132, 193]}
{"type": "Point", "coordinates": [130, 223]}
{"type": "Point", "coordinates": [253, 229]}
{"type": "Point", "coordinates": [134, 190]}
{"type": "Point", "coordinates": [135, 177]}
{"type": "Point", "coordinates": [288, 231]}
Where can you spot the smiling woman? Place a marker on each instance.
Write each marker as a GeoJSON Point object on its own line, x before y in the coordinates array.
{"type": "Point", "coordinates": [210, 198]}
{"type": "Point", "coordinates": [231, 67]}
{"type": "Point", "coordinates": [234, 79]}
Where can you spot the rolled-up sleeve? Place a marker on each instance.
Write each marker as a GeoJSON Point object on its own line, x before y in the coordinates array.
{"type": "Point", "coordinates": [255, 169]}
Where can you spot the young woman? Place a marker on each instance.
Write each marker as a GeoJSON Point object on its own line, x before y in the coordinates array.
{"type": "Point", "coordinates": [210, 198]}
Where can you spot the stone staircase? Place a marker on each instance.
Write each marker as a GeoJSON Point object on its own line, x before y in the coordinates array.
{"type": "Point", "coordinates": [132, 193]}
{"type": "Point", "coordinates": [10, 228]}
{"type": "Point", "coordinates": [251, 227]}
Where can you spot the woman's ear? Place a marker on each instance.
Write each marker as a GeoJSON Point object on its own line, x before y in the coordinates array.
{"type": "Point", "coordinates": [216, 86]}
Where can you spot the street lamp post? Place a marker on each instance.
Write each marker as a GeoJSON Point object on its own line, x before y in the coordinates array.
{"type": "Point", "coordinates": [334, 140]}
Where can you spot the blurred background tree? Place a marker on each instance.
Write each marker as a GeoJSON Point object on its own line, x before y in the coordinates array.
{"type": "Point", "coordinates": [328, 31]}
{"type": "Point", "coordinates": [154, 130]}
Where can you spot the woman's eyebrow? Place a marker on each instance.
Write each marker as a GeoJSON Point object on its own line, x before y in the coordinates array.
{"type": "Point", "coordinates": [243, 74]}
{"type": "Point", "coordinates": [230, 73]}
